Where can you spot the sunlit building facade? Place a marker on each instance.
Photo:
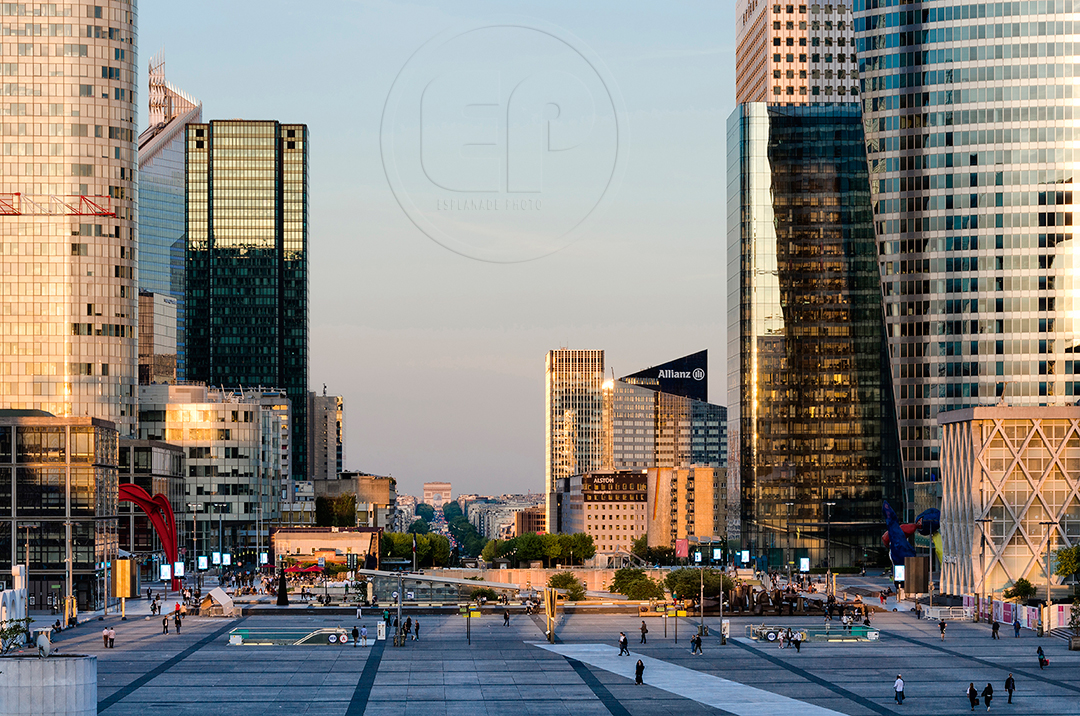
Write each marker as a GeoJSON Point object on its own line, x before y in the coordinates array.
{"type": "Point", "coordinates": [970, 112]}
{"type": "Point", "coordinates": [811, 416]}
{"type": "Point", "coordinates": [246, 291]}
{"type": "Point", "coordinates": [68, 299]}
{"type": "Point", "coordinates": [326, 436]}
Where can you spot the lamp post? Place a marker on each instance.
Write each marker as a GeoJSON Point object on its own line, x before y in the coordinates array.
{"type": "Point", "coordinates": [221, 537]}
{"type": "Point", "coordinates": [1049, 532]}
{"type": "Point", "coordinates": [787, 528]}
{"type": "Point", "coordinates": [982, 565]}
{"type": "Point", "coordinates": [828, 547]}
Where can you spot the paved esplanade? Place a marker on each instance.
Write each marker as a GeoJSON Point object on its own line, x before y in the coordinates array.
{"type": "Point", "coordinates": [510, 670]}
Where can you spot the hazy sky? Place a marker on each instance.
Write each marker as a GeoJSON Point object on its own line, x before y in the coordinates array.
{"type": "Point", "coordinates": [440, 356]}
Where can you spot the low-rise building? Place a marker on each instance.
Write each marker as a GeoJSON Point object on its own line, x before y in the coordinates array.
{"type": "Point", "coordinates": [332, 543]}
{"type": "Point", "coordinates": [1010, 478]}
{"type": "Point", "coordinates": [531, 519]}
{"type": "Point", "coordinates": [608, 505]}
{"type": "Point", "coordinates": [376, 497]}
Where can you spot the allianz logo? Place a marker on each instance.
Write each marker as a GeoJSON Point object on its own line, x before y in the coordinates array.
{"type": "Point", "coordinates": [696, 374]}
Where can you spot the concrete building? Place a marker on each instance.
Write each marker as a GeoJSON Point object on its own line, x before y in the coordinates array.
{"type": "Point", "coordinates": [968, 115]}
{"type": "Point", "coordinates": [795, 53]}
{"type": "Point", "coordinates": [1010, 493]}
{"type": "Point", "coordinates": [326, 436]}
{"type": "Point", "coordinates": [157, 338]}
{"type": "Point", "coordinates": [573, 420]}
{"type": "Point", "coordinates": [495, 517]}
{"type": "Point", "coordinates": [332, 543]}
{"type": "Point", "coordinates": [608, 505]}
{"type": "Point", "coordinates": [531, 519]}
{"type": "Point", "coordinates": [158, 468]}
{"type": "Point", "coordinates": [376, 497]}
{"type": "Point", "coordinates": [437, 493]}
{"type": "Point", "coordinates": [685, 502]}
{"type": "Point", "coordinates": [162, 247]}
{"type": "Point", "coordinates": [69, 302]}
{"type": "Point", "coordinates": [234, 458]}
{"type": "Point", "coordinates": [58, 477]}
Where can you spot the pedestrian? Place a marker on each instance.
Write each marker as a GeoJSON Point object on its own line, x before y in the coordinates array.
{"type": "Point", "coordinates": [624, 644]}
{"type": "Point", "coordinates": [506, 617]}
{"type": "Point", "coordinates": [416, 626]}
{"type": "Point", "coordinates": [973, 695]}
{"type": "Point", "coordinates": [898, 689]}
{"type": "Point", "coordinates": [359, 612]}
{"type": "Point", "coordinates": [1010, 686]}
{"type": "Point", "coordinates": [363, 634]}
{"type": "Point", "coordinates": [796, 639]}
{"type": "Point", "coordinates": [1016, 628]}
{"type": "Point", "coordinates": [695, 642]}
{"type": "Point", "coordinates": [408, 625]}
{"type": "Point", "coordinates": [165, 625]}
{"type": "Point", "coordinates": [176, 621]}
{"type": "Point", "coordinates": [941, 626]}
{"type": "Point", "coordinates": [639, 672]}
{"type": "Point", "coordinates": [105, 638]}
{"type": "Point", "coordinates": [355, 636]}
{"type": "Point", "coordinates": [988, 695]}
{"type": "Point", "coordinates": [644, 631]}
{"type": "Point", "coordinates": [994, 628]}
{"type": "Point", "coordinates": [1042, 658]}
{"type": "Point", "coordinates": [112, 637]}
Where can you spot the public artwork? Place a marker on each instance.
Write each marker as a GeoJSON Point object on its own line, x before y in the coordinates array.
{"type": "Point", "coordinates": [928, 524]}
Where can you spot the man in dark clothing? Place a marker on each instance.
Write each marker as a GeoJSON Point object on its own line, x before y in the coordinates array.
{"type": "Point", "coordinates": [988, 695]}
{"type": "Point", "coordinates": [941, 625]}
{"type": "Point", "coordinates": [506, 617]}
{"type": "Point", "coordinates": [994, 628]}
{"type": "Point", "coordinates": [973, 696]}
{"type": "Point", "coordinates": [1016, 628]}
{"type": "Point", "coordinates": [416, 627]}
{"type": "Point", "coordinates": [176, 621]}
{"type": "Point", "coordinates": [644, 631]}
{"type": "Point", "coordinates": [165, 625]}
{"type": "Point", "coordinates": [1042, 658]}
{"type": "Point", "coordinates": [624, 644]}
{"type": "Point", "coordinates": [355, 636]}
{"type": "Point", "coordinates": [1010, 686]}
{"type": "Point", "coordinates": [639, 672]}
{"type": "Point", "coordinates": [695, 643]}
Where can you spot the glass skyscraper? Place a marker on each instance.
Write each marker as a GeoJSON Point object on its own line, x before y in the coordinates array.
{"type": "Point", "coordinates": [970, 118]}
{"type": "Point", "coordinates": [68, 299]}
{"type": "Point", "coordinates": [246, 291]}
{"type": "Point", "coordinates": [811, 416]}
{"type": "Point", "coordinates": [162, 247]}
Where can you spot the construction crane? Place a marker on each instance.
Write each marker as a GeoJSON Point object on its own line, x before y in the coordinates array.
{"type": "Point", "coordinates": [19, 204]}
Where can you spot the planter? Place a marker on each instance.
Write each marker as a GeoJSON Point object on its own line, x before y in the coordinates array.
{"type": "Point", "coordinates": [1074, 643]}
{"type": "Point", "coordinates": [54, 686]}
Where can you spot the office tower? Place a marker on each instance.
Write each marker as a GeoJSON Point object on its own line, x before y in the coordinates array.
{"type": "Point", "coordinates": [157, 338]}
{"type": "Point", "coordinates": [234, 459]}
{"type": "Point", "coordinates": [246, 289]}
{"type": "Point", "coordinates": [68, 304]}
{"type": "Point", "coordinates": [573, 420]}
{"type": "Point", "coordinates": [162, 247]}
{"type": "Point", "coordinates": [609, 505]}
{"type": "Point", "coordinates": [793, 53]}
{"type": "Point", "coordinates": [660, 417]}
{"type": "Point", "coordinates": [326, 436]}
{"type": "Point", "coordinates": [810, 410]}
{"type": "Point", "coordinates": [969, 118]}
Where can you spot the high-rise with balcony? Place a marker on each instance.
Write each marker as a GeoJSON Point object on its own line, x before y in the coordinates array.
{"type": "Point", "coordinates": [574, 420]}
{"type": "Point", "coordinates": [246, 291]}
{"type": "Point", "coordinates": [794, 53]}
{"type": "Point", "coordinates": [162, 247]}
{"type": "Point", "coordinates": [68, 298]}
{"type": "Point", "coordinates": [971, 120]}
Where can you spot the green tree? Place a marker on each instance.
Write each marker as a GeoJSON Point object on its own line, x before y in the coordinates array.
{"type": "Point", "coordinates": [575, 590]}
{"type": "Point", "coordinates": [530, 546]}
{"type": "Point", "coordinates": [1021, 590]}
{"type": "Point", "coordinates": [491, 551]}
{"type": "Point", "coordinates": [635, 584]}
{"type": "Point", "coordinates": [486, 592]}
{"type": "Point", "coordinates": [686, 583]}
{"type": "Point", "coordinates": [13, 633]}
{"type": "Point", "coordinates": [581, 545]}
{"type": "Point", "coordinates": [440, 550]}
{"type": "Point", "coordinates": [450, 511]}
{"type": "Point", "coordinates": [337, 511]}
{"type": "Point", "coordinates": [425, 511]}
{"type": "Point", "coordinates": [640, 547]}
{"type": "Point", "coordinates": [552, 547]}
{"type": "Point", "coordinates": [1068, 561]}
{"type": "Point", "coordinates": [420, 526]}
{"type": "Point", "coordinates": [624, 577]}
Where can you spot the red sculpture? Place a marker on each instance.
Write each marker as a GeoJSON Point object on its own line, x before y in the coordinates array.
{"type": "Point", "coordinates": [160, 514]}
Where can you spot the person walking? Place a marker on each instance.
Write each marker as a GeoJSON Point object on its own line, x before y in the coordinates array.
{"type": "Point", "coordinates": [112, 637]}
{"type": "Point", "coordinates": [506, 617]}
{"type": "Point", "coordinates": [994, 629]}
{"type": "Point", "coordinates": [988, 695]}
{"type": "Point", "coordinates": [941, 626]}
{"type": "Point", "coordinates": [1010, 686]}
{"type": "Point", "coordinates": [898, 689]}
{"type": "Point", "coordinates": [644, 631]}
{"type": "Point", "coordinates": [363, 635]}
{"type": "Point", "coordinates": [165, 625]}
{"type": "Point", "coordinates": [639, 672]}
{"type": "Point", "coordinates": [176, 621]}
{"type": "Point", "coordinates": [1042, 658]}
{"type": "Point", "coordinates": [973, 695]}
{"type": "Point", "coordinates": [416, 628]}
{"type": "Point", "coordinates": [624, 644]}
{"type": "Point", "coordinates": [695, 643]}
{"type": "Point", "coordinates": [355, 636]}
{"type": "Point", "coordinates": [105, 637]}
{"type": "Point", "coordinates": [796, 639]}
{"type": "Point", "coordinates": [1016, 628]}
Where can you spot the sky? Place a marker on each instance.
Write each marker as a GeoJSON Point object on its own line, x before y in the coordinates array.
{"type": "Point", "coordinates": [437, 280]}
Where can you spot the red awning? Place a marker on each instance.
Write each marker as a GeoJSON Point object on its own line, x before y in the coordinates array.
{"type": "Point", "coordinates": [293, 569]}
{"type": "Point", "coordinates": [313, 568]}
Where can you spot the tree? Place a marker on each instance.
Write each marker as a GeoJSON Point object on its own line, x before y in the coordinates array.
{"type": "Point", "coordinates": [552, 547]}
{"type": "Point", "coordinates": [337, 511]}
{"type": "Point", "coordinates": [491, 551]}
{"type": "Point", "coordinates": [581, 546]}
{"type": "Point", "coordinates": [451, 510]}
{"type": "Point", "coordinates": [530, 546]}
{"type": "Point", "coordinates": [13, 633]}
{"type": "Point", "coordinates": [624, 577]}
{"type": "Point", "coordinates": [420, 526]}
{"type": "Point", "coordinates": [686, 583]}
{"type": "Point", "coordinates": [575, 590]}
{"type": "Point", "coordinates": [1021, 590]}
{"type": "Point", "coordinates": [640, 547]}
{"type": "Point", "coordinates": [486, 592]}
{"type": "Point", "coordinates": [426, 511]}
{"type": "Point", "coordinates": [440, 550]}
{"type": "Point", "coordinates": [635, 584]}
{"type": "Point", "coordinates": [1068, 561]}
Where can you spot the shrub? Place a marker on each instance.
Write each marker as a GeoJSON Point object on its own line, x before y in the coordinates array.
{"type": "Point", "coordinates": [483, 593]}
{"type": "Point", "coordinates": [1020, 590]}
{"type": "Point", "coordinates": [575, 590]}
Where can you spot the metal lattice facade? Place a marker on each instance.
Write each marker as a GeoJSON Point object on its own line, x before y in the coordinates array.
{"type": "Point", "coordinates": [1009, 474]}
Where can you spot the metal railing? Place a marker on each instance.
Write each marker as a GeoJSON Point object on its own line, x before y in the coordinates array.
{"type": "Point", "coordinates": [856, 632]}
{"type": "Point", "coordinates": [951, 614]}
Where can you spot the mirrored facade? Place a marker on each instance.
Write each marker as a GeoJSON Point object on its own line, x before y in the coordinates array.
{"type": "Point", "coordinates": [246, 287]}
{"type": "Point", "coordinates": [811, 417]}
{"type": "Point", "coordinates": [970, 118]}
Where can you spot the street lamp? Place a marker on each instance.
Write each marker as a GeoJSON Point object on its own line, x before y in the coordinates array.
{"type": "Point", "coordinates": [221, 534]}
{"type": "Point", "coordinates": [787, 529]}
{"type": "Point", "coordinates": [1047, 525]}
{"type": "Point", "coordinates": [193, 507]}
{"type": "Point", "coordinates": [828, 547]}
{"type": "Point", "coordinates": [982, 565]}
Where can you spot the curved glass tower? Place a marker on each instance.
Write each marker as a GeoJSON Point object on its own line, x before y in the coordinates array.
{"type": "Point", "coordinates": [969, 118]}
